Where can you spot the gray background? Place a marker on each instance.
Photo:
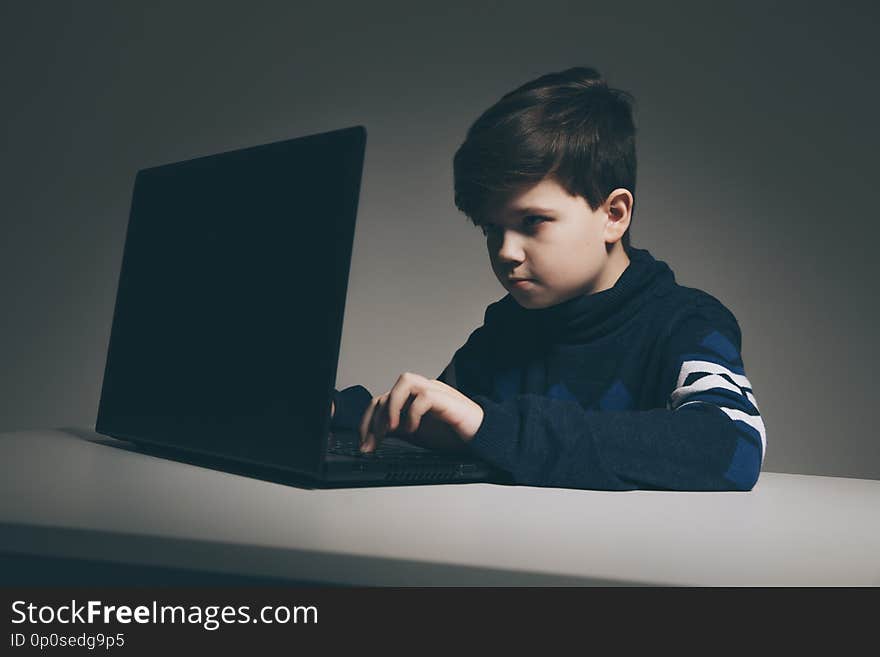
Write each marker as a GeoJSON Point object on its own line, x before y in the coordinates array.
{"type": "Point", "coordinates": [757, 142]}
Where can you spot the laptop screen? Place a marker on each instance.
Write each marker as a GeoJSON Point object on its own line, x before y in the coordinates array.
{"type": "Point", "coordinates": [228, 317]}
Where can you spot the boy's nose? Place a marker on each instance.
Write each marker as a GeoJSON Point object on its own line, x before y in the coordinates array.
{"type": "Point", "coordinates": [510, 250]}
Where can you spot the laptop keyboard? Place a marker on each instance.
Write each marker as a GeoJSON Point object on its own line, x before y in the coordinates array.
{"type": "Point", "coordinates": [389, 448]}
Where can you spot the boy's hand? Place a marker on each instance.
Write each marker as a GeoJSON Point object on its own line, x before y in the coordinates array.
{"type": "Point", "coordinates": [425, 412]}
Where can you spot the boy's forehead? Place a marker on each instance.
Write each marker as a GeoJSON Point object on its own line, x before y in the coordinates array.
{"type": "Point", "coordinates": [544, 197]}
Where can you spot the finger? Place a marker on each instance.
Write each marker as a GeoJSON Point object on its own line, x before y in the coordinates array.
{"type": "Point", "coordinates": [397, 397]}
{"type": "Point", "coordinates": [420, 405]}
{"type": "Point", "coordinates": [367, 420]}
{"type": "Point", "coordinates": [398, 422]}
{"type": "Point", "coordinates": [379, 416]}
{"type": "Point", "coordinates": [371, 439]}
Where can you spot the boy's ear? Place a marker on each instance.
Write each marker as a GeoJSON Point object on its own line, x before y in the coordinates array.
{"type": "Point", "coordinates": [618, 207]}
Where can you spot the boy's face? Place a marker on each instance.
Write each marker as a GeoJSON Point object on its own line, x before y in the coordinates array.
{"type": "Point", "coordinates": [559, 243]}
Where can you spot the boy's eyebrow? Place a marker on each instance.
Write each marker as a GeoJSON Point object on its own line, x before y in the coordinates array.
{"type": "Point", "coordinates": [526, 210]}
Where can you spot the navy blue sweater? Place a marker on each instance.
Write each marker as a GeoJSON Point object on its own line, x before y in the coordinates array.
{"type": "Point", "coordinates": [640, 386]}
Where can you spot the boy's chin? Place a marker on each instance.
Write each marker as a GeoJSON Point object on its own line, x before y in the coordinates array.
{"type": "Point", "coordinates": [531, 303]}
{"type": "Point", "coordinates": [534, 302]}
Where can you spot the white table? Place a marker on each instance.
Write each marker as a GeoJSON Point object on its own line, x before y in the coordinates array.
{"type": "Point", "coordinates": [74, 494]}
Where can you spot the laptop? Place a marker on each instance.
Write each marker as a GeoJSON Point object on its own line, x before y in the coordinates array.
{"type": "Point", "coordinates": [228, 318]}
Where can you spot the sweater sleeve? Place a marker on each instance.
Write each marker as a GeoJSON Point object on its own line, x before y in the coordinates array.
{"type": "Point", "coordinates": [710, 435]}
{"type": "Point", "coordinates": [351, 403]}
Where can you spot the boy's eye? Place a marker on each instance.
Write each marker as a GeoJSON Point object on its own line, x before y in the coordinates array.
{"type": "Point", "coordinates": [487, 228]}
{"type": "Point", "coordinates": [534, 216]}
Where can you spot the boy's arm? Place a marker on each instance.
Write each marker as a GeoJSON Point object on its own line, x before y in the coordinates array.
{"type": "Point", "coordinates": [710, 436]}
{"type": "Point", "coordinates": [447, 376]}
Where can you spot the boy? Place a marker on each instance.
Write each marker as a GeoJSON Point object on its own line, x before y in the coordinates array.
{"type": "Point", "coordinates": [597, 370]}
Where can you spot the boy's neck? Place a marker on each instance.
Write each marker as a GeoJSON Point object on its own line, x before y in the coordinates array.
{"type": "Point", "coordinates": [617, 263]}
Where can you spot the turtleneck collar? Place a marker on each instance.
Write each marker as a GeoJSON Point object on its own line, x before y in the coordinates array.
{"type": "Point", "coordinates": [589, 316]}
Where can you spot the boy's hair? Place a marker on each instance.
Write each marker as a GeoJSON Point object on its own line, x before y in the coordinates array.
{"type": "Point", "coordinates": [569, 126]}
